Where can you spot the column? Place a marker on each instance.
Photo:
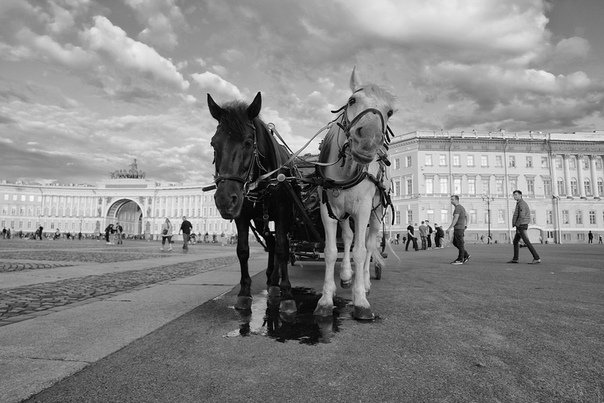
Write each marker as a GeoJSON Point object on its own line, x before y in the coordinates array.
{"type": "Point", "coordinates": [554, 178]}
{"type": "Point", "coordinates": [580, 176]}
{"type": "Point", "coordinates": [566, 176]}
{"type": "Point", "coordinates": [594, 176]}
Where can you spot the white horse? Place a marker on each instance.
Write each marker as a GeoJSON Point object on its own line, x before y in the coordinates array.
{"type": "Point", "coordinates": [351, 164]}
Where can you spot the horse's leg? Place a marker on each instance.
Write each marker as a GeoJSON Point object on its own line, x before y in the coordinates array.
{"type": "Point", "coordinates": [325, 304]}
{"type": "Point", "coordinates": [362, 309]}
{"type": "Point", "coordinates": [272, 274]}
{"type": "Point", "coordinates": [244, 298]}
{"type": "Point", "coordinates": [371, 246]}
{"type": "Point", "coordinates": [287, 305]}
{"type": "Point", "coordinates": [346, 267]}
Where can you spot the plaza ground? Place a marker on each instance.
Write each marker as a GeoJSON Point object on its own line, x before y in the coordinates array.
{"type": "Point", "coordinates": [484, 331]}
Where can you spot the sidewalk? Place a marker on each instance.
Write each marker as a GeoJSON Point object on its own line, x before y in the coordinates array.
{"type": "Point", "coordinates": [55, 343]}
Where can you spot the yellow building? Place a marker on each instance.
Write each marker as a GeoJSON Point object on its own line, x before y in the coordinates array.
{"type": "Point", "coordinates": [559, 174]}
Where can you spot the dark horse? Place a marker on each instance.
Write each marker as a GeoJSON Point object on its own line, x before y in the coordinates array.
{"type": "Point", "coordinates": [244, 150]}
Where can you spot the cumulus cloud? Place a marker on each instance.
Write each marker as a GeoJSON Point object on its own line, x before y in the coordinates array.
{"type": "Point", "coordinates": [160, 17]}
{"type": "Point", "coordinates": [216, 85]}
{"type": "Point", "coordinates": [107, 38]}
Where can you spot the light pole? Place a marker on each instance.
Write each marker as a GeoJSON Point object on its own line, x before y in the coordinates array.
{"type": "Point", "coordinates": [488, 199]}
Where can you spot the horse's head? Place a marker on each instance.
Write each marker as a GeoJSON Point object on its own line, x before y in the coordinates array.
{"type": "Point", "coordinates": [235, 149]}
{"type": "Point", "coordinates": [365, 119]}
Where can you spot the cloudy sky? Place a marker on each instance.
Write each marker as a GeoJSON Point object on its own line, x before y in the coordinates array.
{"type": "Point", "coordinates": [88, 85]}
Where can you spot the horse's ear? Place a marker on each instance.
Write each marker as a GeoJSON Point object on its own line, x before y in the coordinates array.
{"type": "Point", "coordinates": [355, 82]}
{"type": "Point", "coordinates": [254, 109]}
{"type": "Point", "coordinates": [215, 110]}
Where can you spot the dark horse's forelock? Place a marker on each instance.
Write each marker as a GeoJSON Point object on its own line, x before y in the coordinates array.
{"type": "Point", "coordinates": [235, 120]}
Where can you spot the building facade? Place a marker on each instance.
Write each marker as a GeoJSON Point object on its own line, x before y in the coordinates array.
{"type": "Point", "coordinates": [560, 175]}
{"type": "Point", "coordinates": [140, 206]}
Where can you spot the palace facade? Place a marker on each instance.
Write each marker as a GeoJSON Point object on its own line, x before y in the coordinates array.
{"type": "Point", "coordinates": [560, 176]}
{"type": "Point", "coordinates": [140, 205]}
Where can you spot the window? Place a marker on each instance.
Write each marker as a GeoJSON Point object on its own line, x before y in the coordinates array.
{"type": "Point", "coordinates": [410, 216]}
{"type": "Point", "coordinates": [579, 217]}
{"type": "Point", "coordinates": [442, 160]}
{"type": "Point", "coordinates": [530, 186]}
{"type": "Point", "coordinates": [22, 197]}
{"type": "Point", "coordinates": [457, 186]}
{"type": "Point", "coordinates": [397, 188]}
{"type": "Point", "coordinates": [533, 217]}
{"type": "Point", "coordinates": [484, 161]}
{"type": "Point", "coordinates": [498, 161]}
{"type": "Point", "coordinates": [428, 159]}
{"type": "Point", "coordinates": [472, 186]}
{"type": "Point", "coordinates": [470, 159]}
{"type": "Point", "coordinates": [409, 187]}
{"type": "Point", "coordinates": [408, 161]}
{"type": "Point", "coordinates": [598, 163]}
{"type": "Point", "coordinates": [544, 162]}
{"type": "Point", "coordinates": [574, 191]}
{"type": "Point", "coordinates": [572, 163]}
{"type": "Point", "coordinates": [592, 217]}
{"type": "Point", "coordinates": [444, 186]}
{"type": "Point", "coordinates": [499, 186]}
{"type": "Point", "coordinates": [587, 187]}
{"type": "Point", "coordinates": [486, 186]}
{"type": "Point", "coordinates": [561, 187]}
{"type": "Point", "coordinates": [559, 162]}
{"type": "Point", "coordinates": [549, 217]}
{"type": "Point", "coordinates": [500, 216]}
{"type": "Point", "coordinates": [397, 217]}
{"type": "Point", "coordinates": [397, 163]}
{"type": "Point", "coordinates": [512, 161]}
{"type": "Point", "coordinates": [585, 163]}
{"type": "Point", "coordinates": [444, 218]}
{"type": "Point", "coordinates": [472, 217]}
{"type": "Point", "coordinates": [600, 187]}
{"type": "Point", "coordinates": [514, 183]}
{"type": "Point", "coordinates": [429, 186]}
{"type": "Point", "coordinates": [547, 187]}
{"type": "Point", "coordinates": [31, 198]}
{"type": "Point", "coordinates": [529, 162]}
{"type": "Point", "coordinates": [456, 161]}
{"type": "Point", "coordinates": [14, 197]}
{"type": "Point", "coordinates": [565, 219]}
{"type": "Point", "coordinates": [6, 198]}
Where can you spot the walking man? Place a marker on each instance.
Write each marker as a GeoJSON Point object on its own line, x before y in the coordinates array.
{"type": "Point", "coordinates": [185, 228]}
{"type": "Point", "coordinates": [521, 220]}
{"type": "Point", "coordinates": [423, 233]}
{"type": "Point", "coordinates": [590, 237]}
{"type": "Point", "coordinates": [410, 237]}
{"type": "Point", "coordinates": [458, 225]}
{"type": "Point", "coordinates": [430, 231]}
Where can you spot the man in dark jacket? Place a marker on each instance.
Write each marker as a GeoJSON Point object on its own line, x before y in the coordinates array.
{"type": "Point", "coordinates": [521, 220]}
{"type": "Point", "coordinates": [185, 228]}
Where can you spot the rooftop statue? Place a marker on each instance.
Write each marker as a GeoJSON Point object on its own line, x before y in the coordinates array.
{"type": "Point", "coordinates": [132, 173]}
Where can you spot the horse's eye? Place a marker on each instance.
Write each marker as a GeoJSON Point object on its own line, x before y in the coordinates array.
{"type": "Point", "coordinates": [351, 101]}
{"type": "Point", "coordinates": [248, 143]}
{"type": "Point", "coordinates": [390, 112]}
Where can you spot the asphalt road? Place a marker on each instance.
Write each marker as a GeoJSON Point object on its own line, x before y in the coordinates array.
{"type": "Point", "coordinates": [486, 331]}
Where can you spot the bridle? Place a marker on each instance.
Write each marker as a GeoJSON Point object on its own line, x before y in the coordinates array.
{"type": "Point", "coordinates": [246, 179]}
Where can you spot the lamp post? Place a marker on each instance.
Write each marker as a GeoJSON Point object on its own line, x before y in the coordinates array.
{"type": "Point", "coordinates": [488, 199]}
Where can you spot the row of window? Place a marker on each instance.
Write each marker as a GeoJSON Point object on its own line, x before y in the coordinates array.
{"type": "Point", "coordinates": [484, 161]}
{"type": "Point", "coordinates": [499, 217]}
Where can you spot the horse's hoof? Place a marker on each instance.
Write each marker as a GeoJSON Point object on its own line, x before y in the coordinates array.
{"type": "Point", "coordinates": [243, 303]}
{"type": "Point", "coordinates": [345, 284]}
{"type": "Point", "coordinates": [323, 311]}
{"type": "Point", "coordinates": [274, 292]}
{"type": "Point", "coordinates": [288, 307]}
{"type": "Point", "coordinates": [361, 313]}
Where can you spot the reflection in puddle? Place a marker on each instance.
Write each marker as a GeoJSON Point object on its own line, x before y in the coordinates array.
{"type": "Point", "coordinates": [265, 319]}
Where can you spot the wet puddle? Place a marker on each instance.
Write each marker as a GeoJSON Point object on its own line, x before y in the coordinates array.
{"type": "Point", "coordinates": [264, 319]}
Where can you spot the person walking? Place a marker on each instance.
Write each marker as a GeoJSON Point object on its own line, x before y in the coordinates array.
{"type": "Point", "coordinates": [521, 220]}
{"type": "Point", "coordinates": [590, 237]}
{"type": "Point", "coordinates": [600, 239]}
{"type": "Point", "coordinates": [438, 235]}
{"type": "Point", "coordinates": [429, 236]}
{"type": "Point", "coordinates": [40, 231]}
{"type": "Point", "coordinates": [458, 225]}
{"type": "Point", "coordinates": [185, 228]}
{"type": "Point", "coordinates": [423, 233]}
{"type": "Point", "coordinates": [166, 234]}
{"type": "Point", "coordinates": [108, 231]}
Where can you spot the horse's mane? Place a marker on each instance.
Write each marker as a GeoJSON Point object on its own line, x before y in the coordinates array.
{"type": "Point", "coordinates": [237, 120]}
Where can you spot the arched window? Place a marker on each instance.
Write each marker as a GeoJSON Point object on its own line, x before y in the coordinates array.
{"type": "Point", "coordinates": [574, 190]}
{"type": "Point", "coordinates": [587, 187]}
{"type": "Point", "coordinates": [600, 187]}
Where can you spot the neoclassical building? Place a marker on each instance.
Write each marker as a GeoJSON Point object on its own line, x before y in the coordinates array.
{"type": "Point", "coordinates": [139, 204]}
{"type": "Point", "coordinates": [560, 175]}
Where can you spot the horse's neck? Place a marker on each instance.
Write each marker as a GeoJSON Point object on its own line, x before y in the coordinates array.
{"type": "Point", "coordinates": [271, 154]}
{"type": "Point", "coordinates": [336, 171]}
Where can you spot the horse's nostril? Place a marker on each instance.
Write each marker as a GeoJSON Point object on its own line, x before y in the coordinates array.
{"type": "Point", "coordinates": [234, 199]}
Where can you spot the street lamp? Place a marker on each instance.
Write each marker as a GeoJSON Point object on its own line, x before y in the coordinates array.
{"type": "Point", "coordinates": [488, 199]}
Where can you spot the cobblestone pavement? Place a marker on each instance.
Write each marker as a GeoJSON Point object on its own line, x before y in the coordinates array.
{"type": "Point", "coordinates": [19, 266]}
{"type": "Point", "coordinates": [21, 303]}
{"type": "Point", "coordinates": [106, 256]}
